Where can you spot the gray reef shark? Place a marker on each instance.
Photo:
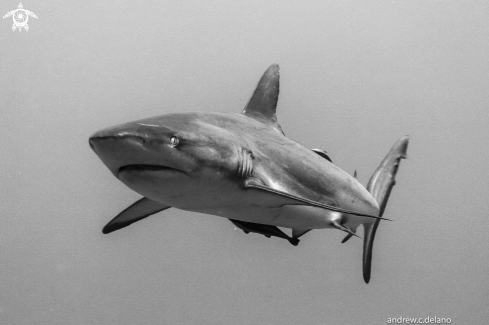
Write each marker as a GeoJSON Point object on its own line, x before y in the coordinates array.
{"type": "Point", "coordinates": [242, 167]}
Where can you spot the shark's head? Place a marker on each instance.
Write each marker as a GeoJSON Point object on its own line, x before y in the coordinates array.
{"type": "Point", "coordinates": [167, 156]}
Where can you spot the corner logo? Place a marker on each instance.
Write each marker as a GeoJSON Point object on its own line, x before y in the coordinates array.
{"type": "Point", "coordinates": [20, 16]}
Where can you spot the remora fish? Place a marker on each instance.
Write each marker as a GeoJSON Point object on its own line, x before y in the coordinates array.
{"type": "Point", "coordinates": [242, 167]}
{"type": "Point", "coordinates": [265, 230]}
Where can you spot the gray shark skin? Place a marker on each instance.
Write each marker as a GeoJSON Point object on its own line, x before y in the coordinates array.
{"type": "Point", "coordinates": [242, 167]}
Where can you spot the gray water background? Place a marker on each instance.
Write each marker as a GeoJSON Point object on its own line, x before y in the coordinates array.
{"type": "Point", "coordinates": [355, 77]}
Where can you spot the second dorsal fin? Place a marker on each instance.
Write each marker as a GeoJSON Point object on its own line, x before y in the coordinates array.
{"type": "Point", "coordinates": [262, 105]}
{"type": "Point", "coordinates": [322, 153]}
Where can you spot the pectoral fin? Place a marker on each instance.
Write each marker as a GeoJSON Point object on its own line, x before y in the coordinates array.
{"type": "Point", "coordinates": [139, 210]}
{"type": "Point", "coordinates": [252, 183]}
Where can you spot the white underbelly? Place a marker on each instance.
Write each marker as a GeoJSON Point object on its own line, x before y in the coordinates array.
{"type": "Point", "coordinates": [288, 216]}
{"type": "Point", "coordinates": [228, 200]}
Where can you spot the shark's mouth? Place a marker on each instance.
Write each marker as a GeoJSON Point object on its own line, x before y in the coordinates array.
{"type": "Point", "coordinates": [147, 168]}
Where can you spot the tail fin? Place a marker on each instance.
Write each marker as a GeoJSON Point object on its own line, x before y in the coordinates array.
{"type": "Point", "coordinates": [380, 186]}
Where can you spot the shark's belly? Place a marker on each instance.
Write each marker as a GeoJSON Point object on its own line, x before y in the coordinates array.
{"type": "Point", "coordinates": [227, 199]}
{"type": "Point", "coordinates": [288, 216]}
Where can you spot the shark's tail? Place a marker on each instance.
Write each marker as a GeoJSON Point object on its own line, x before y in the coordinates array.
{"type": "Point", "coordinates": [380, 186]}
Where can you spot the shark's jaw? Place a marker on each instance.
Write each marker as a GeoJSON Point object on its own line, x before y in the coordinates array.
{"type": "Point", "coordinates": [154, 181]}
{"type": "Point", "coordinates": [150, 169]}
{"type": "Point", "coordinates": [160, 183]}
{"type": "Point", "coordinates": [136, 148]}
{"type": "Point", "coordinates": [128, 154]}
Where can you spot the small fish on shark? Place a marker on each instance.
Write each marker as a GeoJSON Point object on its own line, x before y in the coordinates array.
{"type": "Point", "coordinates": [242, 167]}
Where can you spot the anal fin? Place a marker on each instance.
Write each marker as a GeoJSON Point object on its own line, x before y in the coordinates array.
{"type": "Point", "coordinates": [297, 232]}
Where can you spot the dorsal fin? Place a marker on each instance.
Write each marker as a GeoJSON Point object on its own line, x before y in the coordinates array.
{"type": "Point", "coordinates": [262, 105]}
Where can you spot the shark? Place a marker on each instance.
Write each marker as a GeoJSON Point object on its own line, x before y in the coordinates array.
{"type": "Point", "coordinates": [242, 167]}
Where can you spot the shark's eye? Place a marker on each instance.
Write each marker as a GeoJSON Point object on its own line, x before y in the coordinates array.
{"type": "Point", "coordinates": [174, 141]}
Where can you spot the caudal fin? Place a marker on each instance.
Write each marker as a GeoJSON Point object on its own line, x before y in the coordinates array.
{"type": "Point", "coordinates": [380, 186]}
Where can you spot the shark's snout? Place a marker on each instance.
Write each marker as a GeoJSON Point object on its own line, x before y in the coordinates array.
{"type": "Point", "coordinates": [125, 134]}
{"type": "Point", "coordinates": [116, 133]}
{"type": "Point", "coordinates": [135, 148]}
{"type": "Point", "coordinates": [99, 141]}
{"type": "Point", "coordinates": [116, 146]}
